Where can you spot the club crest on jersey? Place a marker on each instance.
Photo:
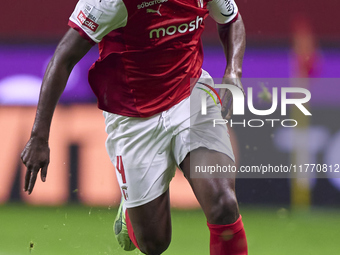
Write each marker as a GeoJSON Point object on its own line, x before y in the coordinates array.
{"type": "Point", "coordinates": [230, 8]}
{"type": "Point", "coordinates": [88, 16]}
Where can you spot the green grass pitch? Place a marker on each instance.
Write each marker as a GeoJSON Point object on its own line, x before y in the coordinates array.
{"type": "Point", "coordinates": [83, 230]}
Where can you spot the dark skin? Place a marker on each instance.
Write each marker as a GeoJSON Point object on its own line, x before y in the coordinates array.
{"type": "Point", "coordinates": [151, 222]}
{"type": "Point", "coordinates": [233, 41]}
{"type": "Point", "coordinates": [36, 154]}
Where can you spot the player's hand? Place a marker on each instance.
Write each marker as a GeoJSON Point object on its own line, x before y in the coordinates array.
{"type": "Point", "coordinates": [35, 156]}
{"type": "Point", "coordinates": [226, 95]}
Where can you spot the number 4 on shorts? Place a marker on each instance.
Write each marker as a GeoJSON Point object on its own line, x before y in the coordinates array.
{"type": "Point", "coordinates": [120, 168]}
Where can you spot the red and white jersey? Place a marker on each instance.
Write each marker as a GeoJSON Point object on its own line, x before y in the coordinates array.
{"type": "Point", "coordinates": [149, 50]}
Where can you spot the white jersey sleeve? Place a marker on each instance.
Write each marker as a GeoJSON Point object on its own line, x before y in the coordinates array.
{"type": "Point", "coordinates": [98, 18]}
{"type": "Point", "coordinates": [222, 11]}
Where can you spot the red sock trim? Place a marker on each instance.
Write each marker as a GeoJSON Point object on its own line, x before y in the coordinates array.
{"type": "Point", "coordinates": [218, 229]}
{"type": "Point", "coordinates": [228, 239]}
{"type": "Point", "coordinates": [130, 230]}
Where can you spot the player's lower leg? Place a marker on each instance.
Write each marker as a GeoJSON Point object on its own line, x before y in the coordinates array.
{"type": "Point", "coordinates": [229, 239]}
{"type": "Point", "coordinates": [227, 235]}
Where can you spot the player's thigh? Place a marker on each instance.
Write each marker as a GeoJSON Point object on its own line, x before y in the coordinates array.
{"type": "Point", "coordinates": [204, 153]}
{"type": "Point", "coordinates": [215, 195]}
{"type": "Point", "coordinates": [151, 223]}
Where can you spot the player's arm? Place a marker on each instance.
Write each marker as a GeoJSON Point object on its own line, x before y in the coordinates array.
{"type": "Point", "coordinates": [91, 20]}
{"type": "Point", "coordinates": [35, 155]}
{"type": "Point", "coordinates": [233, 39]}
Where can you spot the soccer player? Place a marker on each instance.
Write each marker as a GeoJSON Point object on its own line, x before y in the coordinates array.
{"type": "Point", "coordinates": [149, 51]}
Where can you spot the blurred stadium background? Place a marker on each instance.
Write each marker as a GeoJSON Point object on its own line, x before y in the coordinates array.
{"type": "Point", "coordinates": [73, 212]}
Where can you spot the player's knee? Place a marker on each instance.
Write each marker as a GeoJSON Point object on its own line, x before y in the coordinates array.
{"type": "Point", "coordinates": [224, 209]}
{"type": "Point", "coordinates": [155, 245]}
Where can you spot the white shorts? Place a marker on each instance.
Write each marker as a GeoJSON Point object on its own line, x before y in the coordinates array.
{"type": "Point", "coordinates": [146, 151]}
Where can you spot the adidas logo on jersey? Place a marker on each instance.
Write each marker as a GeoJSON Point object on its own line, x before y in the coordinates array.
{"type": "Point", "coordinates": [171, 30]}
{"type": "Point", "coordinates": [151, 3]}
